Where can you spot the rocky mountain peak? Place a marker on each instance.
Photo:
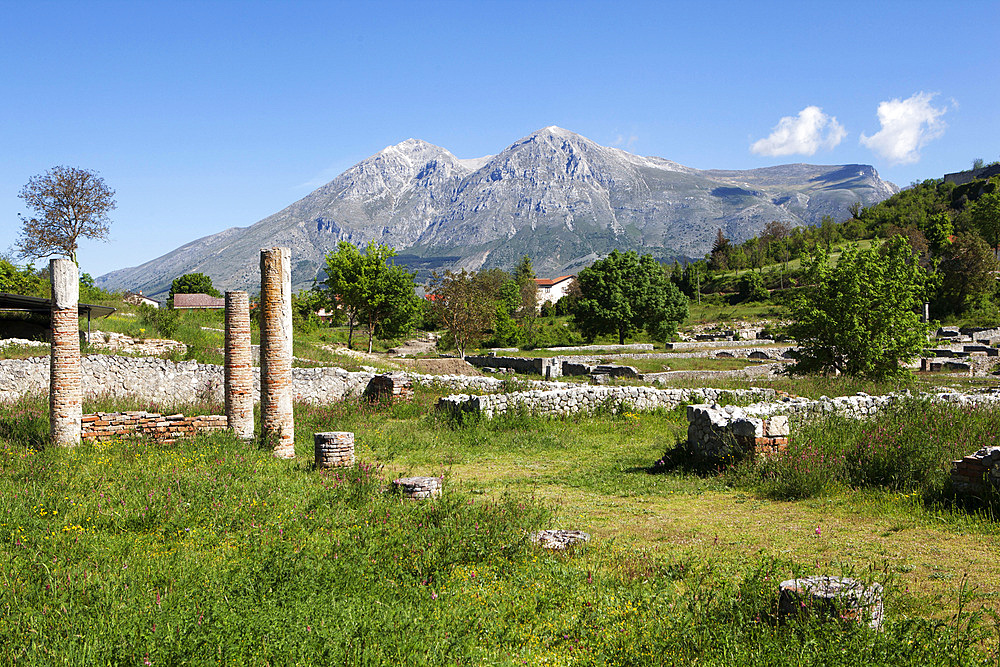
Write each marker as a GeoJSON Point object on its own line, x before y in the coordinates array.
{"type": "Point", "coordinates": [553, 195]}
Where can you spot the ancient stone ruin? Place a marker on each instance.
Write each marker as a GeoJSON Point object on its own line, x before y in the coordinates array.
{"type": "Point", "coordinates": [832, 598]}
{"type": "Point", "coordinates": [103, 426]}
{"type": "Point", "coordinates": [277, 420]}
{"type": "Point", "coordinates": [239, 366]}
{"type": "Point", "coordinates": [418, 488]}
{"type": "Point", "coordinates": [977, 473]}
{"type": "Point", "coordinates": [716, 432]}
{"type": "Point", "coordinates": [389, 386]}
{"type": "Point", "coordinates": [65, 374]}
{"type": "Point", "coordinates": [334, 449]}
{"type": "Point", "coordinates": [559, 540]}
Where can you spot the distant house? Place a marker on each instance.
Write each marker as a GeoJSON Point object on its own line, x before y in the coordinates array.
{"type": "Point", "coordinates": [198, 301]}
{"type": "Point", "coordinates": [138, 299]}
{"type": "Point", "coordinates": [552, 289]}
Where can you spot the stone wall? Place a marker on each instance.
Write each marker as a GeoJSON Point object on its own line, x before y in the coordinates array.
{"type": "Point", "coordinates": [552, 367]}
{"type": "Point", "coordinates": [162, 428]}
{"type": "Point", "coordinates": [170, 383]}
{"type": "Point", "coordinates": [976, 472]}
{"type": "Point", "coordinates": [704, 345]}
{"type": "Point", "coordinates": [606, 348]}
{"type": "Point", "coordinates": [547, 367]}
{"type": "Point", "coordinates": [587, 399]}
{"type": "Point", "coordinates": [110, 340]}
{"type": "Point", "coordinates": [720, 433]}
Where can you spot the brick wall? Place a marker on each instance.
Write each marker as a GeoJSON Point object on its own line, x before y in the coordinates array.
{"type": "Point", "coordinates": [102, 426]}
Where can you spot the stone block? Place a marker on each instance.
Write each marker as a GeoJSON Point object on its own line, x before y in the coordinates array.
{"type": "Point", "coordinates": [777, 426]}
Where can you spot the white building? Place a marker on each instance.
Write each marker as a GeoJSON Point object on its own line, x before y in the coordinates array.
{"type": "Point", "coordinates": [552, 289]}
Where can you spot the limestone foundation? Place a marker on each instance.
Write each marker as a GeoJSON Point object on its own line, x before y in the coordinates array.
{"type": "Point", "coordinates": [276, 350]}
{"type": "Point", "coordinates": [239, 366]}
{"type": "Point", "coordinates": [65, 375]}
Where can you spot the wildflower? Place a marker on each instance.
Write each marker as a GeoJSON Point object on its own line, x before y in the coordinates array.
{"type": "Point", "coordinates": [818, 532]}
{"type": "Point", "coordinates": [434, 596]}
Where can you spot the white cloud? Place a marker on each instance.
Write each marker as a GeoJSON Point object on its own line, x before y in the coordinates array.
{"type": "Point", "coordinates": [907, 126]}
{"type": "Point", "coordinates": [803, 134]}
{"type": "Point", "coordinates": [624, 142]}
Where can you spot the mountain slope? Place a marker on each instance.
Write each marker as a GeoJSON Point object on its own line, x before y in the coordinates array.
{"type": "Point", "coordinates": [553, 195]}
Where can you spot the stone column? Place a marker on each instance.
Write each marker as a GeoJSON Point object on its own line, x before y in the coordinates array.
{"type": "Point", "coordinates": [239, 366]}
{"type": "Point", "coordinates": [276, 350]}
{"type": "Point", "coordinates": [65, 372]}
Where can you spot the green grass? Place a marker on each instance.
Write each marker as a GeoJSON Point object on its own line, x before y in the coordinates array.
{"type": "Point", "coordinates": [130, 552]}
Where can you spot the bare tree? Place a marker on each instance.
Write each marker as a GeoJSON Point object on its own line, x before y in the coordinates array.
{"type": "Point", "coordinates": [68, 204]}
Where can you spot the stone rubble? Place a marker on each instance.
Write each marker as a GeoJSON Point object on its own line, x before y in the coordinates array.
{"type": "Point", "coordinates": [835, 598]}
{"type": "Point", "coordinates": [419, 488]}
{"type": "Point", "coordinates": [559, 540]}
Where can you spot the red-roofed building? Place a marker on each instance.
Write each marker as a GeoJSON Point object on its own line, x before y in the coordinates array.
{"type": "Point", "coordinates": [193, 301]}
{"type": "Point", "coordinates": [552, 289]}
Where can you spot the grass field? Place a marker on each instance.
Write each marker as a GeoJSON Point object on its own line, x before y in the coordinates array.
{"type": "Point", "coordinates": [211, 551]}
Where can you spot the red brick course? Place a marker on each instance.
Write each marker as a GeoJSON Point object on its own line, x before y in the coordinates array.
{"type": "Point", "coordinates": [107, 425]}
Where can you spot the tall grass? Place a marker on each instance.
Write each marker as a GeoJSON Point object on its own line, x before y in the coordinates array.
{"type": "Point", "coordinates": [908, 448]}
{"type": "Point", "coordinates": [132, 552]}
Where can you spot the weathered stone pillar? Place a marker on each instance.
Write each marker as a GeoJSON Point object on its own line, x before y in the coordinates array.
{"type": "Point", "coordinates": [65, 372]}
{"type": "Point", "coordinates": [276, 350]}
{"type": "Point", "coordinates": [239, 366]}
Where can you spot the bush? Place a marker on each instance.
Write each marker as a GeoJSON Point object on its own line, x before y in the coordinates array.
{"type": "Point", "coordinates": [751, 287]}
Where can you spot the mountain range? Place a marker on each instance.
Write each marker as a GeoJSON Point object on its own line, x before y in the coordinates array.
{"type": "Point", "coordinates": [554, 195]}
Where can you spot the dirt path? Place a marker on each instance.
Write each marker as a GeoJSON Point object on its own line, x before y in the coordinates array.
{"type": "Point", "coordinates": [411, 348]}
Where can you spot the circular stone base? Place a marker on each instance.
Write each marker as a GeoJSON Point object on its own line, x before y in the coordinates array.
{"type": "Point", "coordinates": [559, 540]}
{"type": "Point", "coordinates": [419, 487]}
{"type": "Point", "coordinates": [832, 597]}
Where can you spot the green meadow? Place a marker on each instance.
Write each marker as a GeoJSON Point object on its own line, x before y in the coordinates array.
{"type": "Point", "coordinates": [211, 551]}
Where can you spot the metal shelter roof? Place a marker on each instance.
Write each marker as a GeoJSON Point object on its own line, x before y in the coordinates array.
{"type": "Point", "coordinates": [35, 304]}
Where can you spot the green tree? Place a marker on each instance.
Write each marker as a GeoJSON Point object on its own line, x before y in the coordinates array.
{"type": "Point", "coordinates": [624, 293]}
{"type": "Point", "coordinates": [371, 290]}
{"type": "Point", "coordinates": [985, 214]}
{"type": "Point", "coordinates": [391, 306]}
{"type": "Point", "coordinates": [968, 271]}
{"type": "Point", "coordinates": [24, 281]}
{"type": "Point", "coordinates": [191, 283]}
{"type": "Point", "coordinates": [464, 304]}
{"type": "Point", "coordinates": [752, 288]}
{"type": "Point", "coordinates": [305, 304]}
{"type": "Point", "coordinates": [68, 204]}
{"type": "Point", "coordinates": [938, 230]}
{"type": "Point", "coordinates": [342, 286]}
{"type": "Point", "coordinates": [508, 302]}
{"type": "Point", "coordinates": [860, 316]}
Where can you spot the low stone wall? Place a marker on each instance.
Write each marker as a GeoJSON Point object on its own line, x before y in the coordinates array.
{"type": "Point", "coordinates": [720, 433]}
{"type": "Point", "coordinates": [110, 340]}
{"type": "Point", "coordinates": [974, 364]}
{"type": "Point", "coordinates": [547, 367]}
{"type": "Point", "coordinates": [162, 428]}
{"type": "Point", "coordinates": [704, 345]}
{"type": "Point", "coordinates": [587, 399]}
{"type": "Point", "coordinates": [608, 348]}
{"type": "Point", "coordinates": [170, 383]}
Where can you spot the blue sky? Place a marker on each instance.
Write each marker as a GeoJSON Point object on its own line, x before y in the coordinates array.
{"type": "Point", "coordinates": [207, 115]}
